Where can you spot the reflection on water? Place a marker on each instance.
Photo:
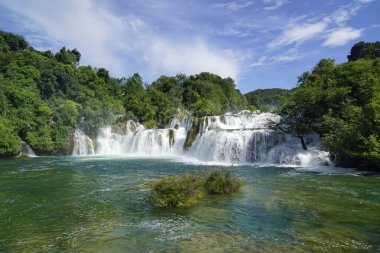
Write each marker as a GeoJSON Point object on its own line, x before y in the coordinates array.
{"type": "Point", "coordinates": [99, 205]}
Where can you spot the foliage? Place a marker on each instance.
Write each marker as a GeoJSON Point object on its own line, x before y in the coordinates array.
{"type": "Point", "coordinates": [44, 97]}
{"type": "Point", "coordinates": [188, 189]}
{"type": "Point", "coordinates": [12, 42]}
{"type": "Point", "coordinates": [267, 99]}
{"type": "Point", "coordinates": [40, 140]}
{"type": "Point", "coordinates": [9, 141]}
{"type": "Point", "coordinates": [218, 183]}
{"type": "Point", "coordinates": [150, 124]}
{"type": "Point", "coordinates": [364, 50]}
{"type": "Point", "coordinates": [23, 155]}
{"type": "Point", "coordinates": [68, 56]}
{"type": "Point", "coordinates": [342, 104]}
{"type": "Point", "coordinates": [203, 94]}
{"type": "Point", "coordinates": [184, 190]}
{"type": "Point", "coordinates": [208, 94]}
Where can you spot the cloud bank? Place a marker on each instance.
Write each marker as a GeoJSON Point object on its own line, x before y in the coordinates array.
{"type": "Point", "coordinates": [120, 43]}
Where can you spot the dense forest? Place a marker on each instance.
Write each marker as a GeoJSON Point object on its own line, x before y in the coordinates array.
{"type": "Point", "coordinates": [342, 104]}
{"type": "Point", "coordinates": [45, 96]}
{"type": "Point", "coordinates": [268, 99]}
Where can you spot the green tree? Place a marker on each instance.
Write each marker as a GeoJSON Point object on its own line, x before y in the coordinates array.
{"type": "Point", "coordinates": [68, 56]}
{"type": "Point", "coordinates": [364, 50]}
{"type": "Point", "coordinates": [10, 143]}
{"type": "Point", "coordinates": [13, 42]}
{"type": "Point", "coordinates": [272, 99]}
{"type": "Point", "coordinates": [342, 104]}
{"type": "Point", "coordinates": [104, 74]}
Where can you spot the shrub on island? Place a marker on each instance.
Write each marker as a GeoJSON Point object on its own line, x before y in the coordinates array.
{"type": "Point", "coordinates": [23, 155]}
{"type": "Point", "coordinates": [186, 190]}
{"type": "Point", "coordinates": [219, 183]}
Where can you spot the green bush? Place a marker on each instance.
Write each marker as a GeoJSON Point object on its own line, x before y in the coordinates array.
{"type": "Point", "coordinates": [150, 124]}
{"type": "Point", "coordinates": [9, 141]}
{"type": "Point", "coordinates": [218, 183]}
{"type": "Point", "coordinates": [23, 155]}
{"type": "Point", "coordinates": [186, 189]}
{"type": "Point", "coordinates": [183, 190]}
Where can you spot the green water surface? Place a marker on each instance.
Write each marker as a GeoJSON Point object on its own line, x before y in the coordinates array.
{"type": "Point", "coordinates": [71, 204]}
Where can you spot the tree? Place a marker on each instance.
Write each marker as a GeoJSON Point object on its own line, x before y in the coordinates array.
{"type": "Point", "coordinates": [44, 97]}
{"type": "Point", "coordinates": [272, 99]}
{"type": "Point", "coordinates": [342, 104]}
{"type": "Point", "coordinates": [68, 56]}
{"type": "Point", "coordinates": [10, 143]}
{"type": "Point", "coordinates": [12, 41]}
{"type": "Point", "coordinates": [364, 50]}
{"type": "Point", "coordinates": [104, 74]}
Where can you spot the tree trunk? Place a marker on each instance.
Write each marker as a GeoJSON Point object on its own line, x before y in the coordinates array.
{"type": "Point", "coordinates": [303, 142]}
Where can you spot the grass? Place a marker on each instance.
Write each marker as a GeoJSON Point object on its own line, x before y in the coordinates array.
{"type": "Point", "coordinates": [188, 189]}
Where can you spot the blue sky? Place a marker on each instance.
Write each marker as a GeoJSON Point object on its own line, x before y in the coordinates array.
{"type": "Point", "coordinates": [259, 43]}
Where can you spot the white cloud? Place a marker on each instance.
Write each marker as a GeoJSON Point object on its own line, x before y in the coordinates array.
{"type": "Point", "coordinates": [342, 36]}
{"type": "Point", "coordinates": [194, 57]}
{"type": "Point", "coordinates": [364, 1]}
{"type": "Point", "coordinates": [234, 5]}
{"type": "Point", "coordinates": [77, 24]}
{"type": "Point", "coordinates": [121, 44]}
{"type": "Point", "coordinates": [298, 33]}
{"type": "Point", "coordinates": [333, 24]}
{"type": "Point", "coordinates": [289, 56]}
{"type": "Point", "coordinates": [275, 4]}
{"type": "Point", "coordinates": [341, 16]}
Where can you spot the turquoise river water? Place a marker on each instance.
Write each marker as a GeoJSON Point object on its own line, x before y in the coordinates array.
{"type": "Point", "coordinates": [99, 204]}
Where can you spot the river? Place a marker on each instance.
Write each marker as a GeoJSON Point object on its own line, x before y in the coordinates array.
{"type": "Point", "coordinates": [99, 204]}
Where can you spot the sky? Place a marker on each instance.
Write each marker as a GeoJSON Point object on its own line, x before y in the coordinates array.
{"type": "Point", "coordinates": [259, 43]}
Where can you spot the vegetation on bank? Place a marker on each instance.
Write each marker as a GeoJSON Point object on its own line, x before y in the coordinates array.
{"type": "Point", "coordinates": [188, 189]}
{"type": "Point", "coordinates": [44, 96]}
{"type": "Point", "coordinates": [342, 104]}
{"type": "Point", "coordinates": [268, 99]}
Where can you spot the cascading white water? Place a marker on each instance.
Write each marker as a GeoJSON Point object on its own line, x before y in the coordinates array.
{"type": "Point", "coordinates": [240, 138]}
{"type": "Point", "coordinates": [138, 140]}
{"type": "Point", "coordinates": [238, 121]}
{"type": "Point", "coordinates": [27, 150]}
{"type": "Point", "coordinates": [82, 144]}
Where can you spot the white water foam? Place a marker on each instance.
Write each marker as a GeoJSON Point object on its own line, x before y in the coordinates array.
{"type": "Point", "coordinates": [26, 149]}
{"type": "Point", "coordinates": [82, 144]}
{"type": "Point", "coordinates": [232, 139]}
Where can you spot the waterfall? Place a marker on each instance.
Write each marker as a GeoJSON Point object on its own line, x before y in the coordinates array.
{"type": "Point", "coordinates": [26, 150]}
{"type": "Point", "coordinates": [141, 141]}
{"type": "Point", "coordinates": [82, 144]}
{"type": "Point", "coordinates": [233, 138]}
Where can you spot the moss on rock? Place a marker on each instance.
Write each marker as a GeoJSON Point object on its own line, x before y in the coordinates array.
{"type": "Point", "coordinates": [192, 134]}
{"type": "Point", "coordinates": [171, 137]}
